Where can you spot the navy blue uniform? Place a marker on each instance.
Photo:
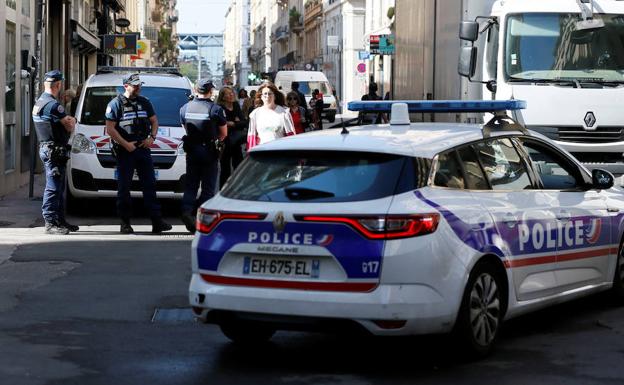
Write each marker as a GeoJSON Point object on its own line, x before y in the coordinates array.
{"type": "Point", "coordinates": [201, 119]}
{"type": "Point", "coordinates": [131, 117]}
{"type": "Point", "coordinates": [53, 139]}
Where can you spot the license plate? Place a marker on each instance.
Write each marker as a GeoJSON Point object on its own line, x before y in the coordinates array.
{"type": "Point", "coordinates": [282, 267]}
{"type": "Point", "coordinates": [163, 131]}
{"type": "Point", "coordinates": [135, 176]}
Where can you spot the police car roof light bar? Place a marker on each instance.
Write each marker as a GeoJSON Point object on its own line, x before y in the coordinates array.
{"type": "Point", "coordinates": [439, 106]}
{"type": "Point", "coordinates": [165, 70]}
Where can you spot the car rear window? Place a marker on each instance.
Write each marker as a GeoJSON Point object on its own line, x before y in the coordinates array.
{"type": "Point", "coordinates": [166, 101]}
{"type": "Point", "coordinates": [324, 176]}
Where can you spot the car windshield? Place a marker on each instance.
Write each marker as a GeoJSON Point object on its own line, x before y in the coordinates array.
{"type": "Point", "coordinates": [166, 101]}
{"type": "Point", "coordinates": [324, 176]}
{"type": "Point", "coordinates": [552, 47]}
{"type": "Point", "coordinates": [306, 88]}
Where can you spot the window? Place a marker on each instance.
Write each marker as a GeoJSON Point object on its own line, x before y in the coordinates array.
{"type": "Point", "coordinates": [9, 93]}
{"type": "Point", "coordinates": [449, 173]}
{"type": "Point", "coordinates": [475, 179]}
{"type": "Point", "coordinates": [324, 176]}
{"type": "Point", "coordinates": [556, 172]}
{"type": "Point", "coordinates": [166, 101]}
{"type": "Point", "coordinates": [26, 8]}
{"type": "Point", "coordinates": [503, 165]}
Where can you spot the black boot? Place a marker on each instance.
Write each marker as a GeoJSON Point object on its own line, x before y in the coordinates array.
{"type": "Point", "coordinates": [125, 227]}
{"type": "Point", "coordinates": [56, 229]}
{"type": "Point", "coordinates": [158, 226]}
{"type": "Point", "coordinates": [189, 222]}
{"type": "Point", "coordinates": [70, 227]}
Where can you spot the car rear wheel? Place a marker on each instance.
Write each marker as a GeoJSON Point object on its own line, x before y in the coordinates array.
{"type": "Point", "coordinates": [481, 312]}
{"type": "Point", "coordinates": [618, 279]}
{"type": "Point", "coordinates": [248, 333]}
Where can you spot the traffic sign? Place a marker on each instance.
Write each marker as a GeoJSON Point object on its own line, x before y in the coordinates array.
{"type": "Point", "coordinates": [361, 68]}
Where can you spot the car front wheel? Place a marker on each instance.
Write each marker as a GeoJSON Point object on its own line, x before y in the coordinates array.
{"type": "Point", "coordinates": [481, 312]}
{"type": "Point", "coordinates": [618, 279]}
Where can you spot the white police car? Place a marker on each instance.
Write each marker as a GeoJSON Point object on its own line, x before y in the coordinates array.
{"type": "Point", "coordinates": [405, 229]}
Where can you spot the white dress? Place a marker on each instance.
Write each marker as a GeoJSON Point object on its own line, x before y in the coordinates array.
{"type": "Point", "coordinates": [266, 124]}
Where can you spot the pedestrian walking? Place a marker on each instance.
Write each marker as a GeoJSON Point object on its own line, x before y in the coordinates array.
{"type": "Point", "coordinates": [298, 113]}
{"type": "Point", "coordinates": [242, 96]}
{"type": "Point", "coordinates": [206, 128]}
{"type": "Point", "coordinates": [236, 133]}
{"type": "Point", "coordinates": [316, 103]}
{"type": "Point", "coordinates": [363, 117]}
{"type": "Point", "coordinates": [271, 120]}
{"type": "Point", "coordinates": [302, 100]}
{"type": "Point", "coordinates": [132, 125]}
{"type": "Point", "coordinates": [53, 127]}
{"type": "Point", "coordinates": [249, 104]}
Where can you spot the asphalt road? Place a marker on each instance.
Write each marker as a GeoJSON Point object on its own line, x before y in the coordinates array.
{"type": "Point", "coordinates": [97, 307]}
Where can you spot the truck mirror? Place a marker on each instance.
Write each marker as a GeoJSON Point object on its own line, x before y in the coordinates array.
{"type": "Point", "coordinates": [469, 30]}
{"type": "Point", "coordinates": [467, 61]}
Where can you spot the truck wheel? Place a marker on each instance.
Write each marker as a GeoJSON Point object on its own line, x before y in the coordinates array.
{"type": "Point", "coordinates": [618, 279]}
{"type": "Point", "coordinates": [248, 333]}
{"type": "Point", "coordinates": [481, 312]}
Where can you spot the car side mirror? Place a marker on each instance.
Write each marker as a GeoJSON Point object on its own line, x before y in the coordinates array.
{"type": "Point", "coordinates": [602, 179]}
{"type": "Point", "coordinates": [467, 65]}
{"type": "Point", "coordinates": [469, 30]}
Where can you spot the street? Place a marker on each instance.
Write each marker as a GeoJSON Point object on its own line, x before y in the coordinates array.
{"type": "Point", "coordinates": [96, 307]}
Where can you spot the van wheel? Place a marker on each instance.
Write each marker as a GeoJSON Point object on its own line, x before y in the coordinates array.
{"type": "Point", "coordinates": [331, 118]}
{"type": "Point", "coordinates": [481, 312]}
{"type": "Point", "coordinates": [247, 333]}
{"type": "Point", "coordinates": [618, 279]}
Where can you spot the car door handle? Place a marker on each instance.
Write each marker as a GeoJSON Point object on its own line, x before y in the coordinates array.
{"type": "Point", "coordinates": [564, 215]}
{"type": "Point", "coordinates": [510, 220]}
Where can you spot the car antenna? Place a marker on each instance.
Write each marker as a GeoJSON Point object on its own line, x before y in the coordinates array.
{"type": "Point", "coordinates": [342, 122]}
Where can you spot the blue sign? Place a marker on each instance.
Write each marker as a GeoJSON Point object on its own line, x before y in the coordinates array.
{"type": "Point", "coordinates": [440, 105]}
{"type": "Point", "coordinates": [364, 55]}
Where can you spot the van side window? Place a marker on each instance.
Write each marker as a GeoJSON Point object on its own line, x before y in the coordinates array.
{"type": "Point", "coordinates": [449, 173]}
{"type": "Point", "coordinates": [503, 165]}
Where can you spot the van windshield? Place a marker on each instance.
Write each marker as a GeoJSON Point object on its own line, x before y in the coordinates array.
{"type": "Point", "coordinates": [306, 88]}
{"type": "Point", "coordinates": [166, 101]}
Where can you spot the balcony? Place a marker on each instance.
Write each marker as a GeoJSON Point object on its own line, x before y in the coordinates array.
{"type": "Point", "coordinates": [151, 33]}
{"type": "Point", "coordinates": [281, 33]}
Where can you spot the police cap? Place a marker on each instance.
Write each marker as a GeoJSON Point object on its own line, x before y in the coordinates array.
{"type": "Point", "coordinates": [204, 85]}
{"type": "Point", "coordinates": [53, 76]}
{"type": "Point", "coordinates": [133, 80]}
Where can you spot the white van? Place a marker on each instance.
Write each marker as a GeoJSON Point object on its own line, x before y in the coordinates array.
{"type": "Point", "coordinates": [308, 82]}
{"type": "Point", "coordinates": [91, 170]}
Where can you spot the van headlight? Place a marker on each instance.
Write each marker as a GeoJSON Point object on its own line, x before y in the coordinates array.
{"type": "Point", "coordinates": [332, 105]}
{"type": "Point", "coordinates": [82, 144]}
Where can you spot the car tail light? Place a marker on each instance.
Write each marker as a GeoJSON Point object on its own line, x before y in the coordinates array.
{"type": "Point", "coordinates": [383, 226]}
{"type": "Point", "coordinates": [207, 220]}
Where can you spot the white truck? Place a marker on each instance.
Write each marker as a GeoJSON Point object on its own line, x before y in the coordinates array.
{"type": "Point", "coordinates": [565, 58]}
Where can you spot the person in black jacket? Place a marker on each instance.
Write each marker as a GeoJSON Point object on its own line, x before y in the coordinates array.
{"type": "Point", "coordinates": [237, 133]}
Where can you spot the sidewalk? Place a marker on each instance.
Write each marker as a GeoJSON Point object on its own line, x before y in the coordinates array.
{"type": "Point", "coordinates": [18, 211]}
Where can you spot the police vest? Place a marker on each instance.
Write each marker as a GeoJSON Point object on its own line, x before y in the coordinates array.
{"type": "Point", "coordinates": [47, 129]}
{"type": "Point", "coordinates": [200, 128]}
{"type": "Point", "coordinates": [134, 124]}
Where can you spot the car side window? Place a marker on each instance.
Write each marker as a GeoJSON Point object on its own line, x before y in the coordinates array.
{"type": "Point", "coordinates": [556, 172]}
{"type": "Point", "coordinates": [475, 179]}
{"type": "Point", "coordinates": [503, 165]}
{"type": "Point", "coordinates": [449, 173]}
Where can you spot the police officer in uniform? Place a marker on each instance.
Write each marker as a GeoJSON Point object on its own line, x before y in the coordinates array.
{"type": "Point", "coordinates": [132, 125]}
{"type": "Point", "coordinates": [53, 127]}
{"type": "Point", "coordinates": [206, 128]}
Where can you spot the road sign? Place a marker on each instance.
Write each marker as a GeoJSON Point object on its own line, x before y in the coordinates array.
{"type": "Point", "coordinates": [363, 55]}
{"type": "Point", "coordinates": [361, 68]}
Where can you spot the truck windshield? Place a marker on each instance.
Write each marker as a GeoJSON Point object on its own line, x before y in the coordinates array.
{"type": "Point", "coordinates": [166, 101]}
{"type": "Point", "coordinates": [548, 46]}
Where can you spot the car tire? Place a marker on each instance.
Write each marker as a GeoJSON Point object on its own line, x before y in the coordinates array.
{"type": "Point", "coordinates": [618, 278]}
{"type": "Point", "coordinates": [481, 312]}
{"type": "Point", "coordinates": [247, 333]}
{"type": "Point", "coordinates": [331, 118]}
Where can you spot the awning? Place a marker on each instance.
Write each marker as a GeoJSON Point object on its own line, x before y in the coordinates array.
{"type": "Point", "coordinates": [83, 39]}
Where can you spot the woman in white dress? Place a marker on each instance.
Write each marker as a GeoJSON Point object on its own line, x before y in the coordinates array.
{"type": "Point", "coordinates": [271, 119]}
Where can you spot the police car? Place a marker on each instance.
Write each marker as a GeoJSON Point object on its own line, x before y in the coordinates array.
{"type": "Point", "coordinates": [92, 167]}
{"type": "Point", "coordinates": [406, 228]}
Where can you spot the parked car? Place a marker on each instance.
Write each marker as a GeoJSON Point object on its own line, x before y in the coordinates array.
{"type": "Point", "coordinates": [91, 169]}
{"type": "Point", "coordinates": [308, 82]}
{"type": "Point", "coordinates": [406, 228]}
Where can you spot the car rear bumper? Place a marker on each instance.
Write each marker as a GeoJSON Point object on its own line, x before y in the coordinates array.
{"type": "Point", "coordinates": [424, 310]}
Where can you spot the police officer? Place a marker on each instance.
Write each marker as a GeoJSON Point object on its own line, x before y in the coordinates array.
{"type": "Point", "coordinates": [132, 125]}
{"type": "Point", "coordinates": [53, 127]}
{"type": "Point", "coordinates": [206, 128]}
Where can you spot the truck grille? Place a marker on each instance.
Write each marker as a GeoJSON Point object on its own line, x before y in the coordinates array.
{"type": "Point", "coordinates": [600, 135]}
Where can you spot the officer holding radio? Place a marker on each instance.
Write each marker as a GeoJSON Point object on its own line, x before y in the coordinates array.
{"type": "Point", "coordinates": [132, 125]}
{"type": "Point", "coordinates": [53, 127]}
{"type": "Point", "coordinates": [206, 128]}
